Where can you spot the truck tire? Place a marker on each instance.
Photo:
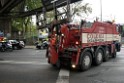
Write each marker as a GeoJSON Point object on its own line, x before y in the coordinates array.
{"type": "Point", "coordinates": [98, 57]}
{"type": "Point", "coordinates": [86, 61]}
{"type": "Point", "coordinates": [107, 54]}
{"type": "Point", "coordinates": [114, 53]}
{"type": "Point", "coordinates": [58, 64]}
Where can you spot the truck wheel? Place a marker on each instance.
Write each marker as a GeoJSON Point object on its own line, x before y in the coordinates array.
{"type": "Point", "coordinates": [86, 61]}
{"type": "Point", "coordinates": [58, 64]}
{"type": "Point", "coordinates": [98, 57]}
{"type": "Point", "coordinates": [115, 53]}
{"type": "Point", "coordinates": [107, 54]}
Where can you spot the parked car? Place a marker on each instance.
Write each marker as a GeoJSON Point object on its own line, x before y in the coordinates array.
{"type": "Point", "coordinates": [42, 45]}
{"type": "Point", "coordinates": [22, 43]}
{"type": "Point", "coordinates": [15, 44]}
{"type": "Point", "coordinates": [5, 46]}
{"type": "Point", "coordinates": [9, 46]}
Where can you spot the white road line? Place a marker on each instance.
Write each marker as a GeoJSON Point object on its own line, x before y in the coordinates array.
{"type": "Point", "coordinates": [24, 62]}
{"type": "Point", "coordinates": [63, 76]}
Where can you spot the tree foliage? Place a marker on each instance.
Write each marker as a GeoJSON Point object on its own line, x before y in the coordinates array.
{"type": "Point", "coordinates": [79, 9]}
{"type": "Point", "coordinates": [50, 16]}
{"type": "Point", "coordinates": [32, 4]}
{"type": "Point", "coordinates": [19, 24]}
{"type": "Point", "coordinates": [24, 24]}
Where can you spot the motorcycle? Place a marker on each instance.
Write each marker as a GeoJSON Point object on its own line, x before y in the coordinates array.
{"type": "Point", "coordinates": [5, 46]}
{"type": "Point", "coordinates": [9, 46]}
{"type": "Point", "coordinates": [42, 45]}
{"type": "Point", "coordinates": [45, 44]}
{"type": "Point", "coordinates": [2, 49]}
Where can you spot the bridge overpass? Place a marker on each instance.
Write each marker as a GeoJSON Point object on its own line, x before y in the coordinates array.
{"type": "Point", "coordinates": [6, 13]}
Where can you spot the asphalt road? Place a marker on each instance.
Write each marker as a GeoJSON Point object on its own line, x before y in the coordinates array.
{"type": "Point", "coordinates": [30, 66]}
{"type": "Point", "coordinates": [26, 66]}
{"type": "Point", "coordinates": [111, 71]}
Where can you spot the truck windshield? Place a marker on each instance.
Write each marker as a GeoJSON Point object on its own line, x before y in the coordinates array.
{"type": "Point", "coordinates": [87, 25]}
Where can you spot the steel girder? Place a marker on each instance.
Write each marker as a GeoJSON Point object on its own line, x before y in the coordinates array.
{"type": "Point", "coordinates": [7, 5]}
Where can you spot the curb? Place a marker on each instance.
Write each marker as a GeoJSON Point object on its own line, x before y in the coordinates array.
{"type": "Point", "coordinates": [29, 47]}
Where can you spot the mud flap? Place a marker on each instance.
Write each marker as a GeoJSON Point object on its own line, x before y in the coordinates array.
{"type": "Point", "coordinates": [53, 55]}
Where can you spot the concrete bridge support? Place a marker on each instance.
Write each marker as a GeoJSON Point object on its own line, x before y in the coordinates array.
{"type": "Point", "coordinates": [5, 27]}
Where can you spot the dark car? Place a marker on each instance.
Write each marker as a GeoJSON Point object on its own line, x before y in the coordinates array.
{"type": "Point", "coordinates": [1, 47]}
{"type": "Point", "coordinates": [15, 44]}
{"type": "Point", "coordinates": [5, 46]}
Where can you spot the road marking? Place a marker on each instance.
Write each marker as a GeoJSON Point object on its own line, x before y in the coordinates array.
{"type": "Point", "coordinates": [63, 76]}
{"type": "Point", "coordinates": [24, 62]}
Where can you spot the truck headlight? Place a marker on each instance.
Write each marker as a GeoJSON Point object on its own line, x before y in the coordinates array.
{"type": "Point", "coordinates": [73, 66]}
{"type": "Point", "coordinates": [76, 42]}
{"type": "Point", "coordinates": [62, 34]}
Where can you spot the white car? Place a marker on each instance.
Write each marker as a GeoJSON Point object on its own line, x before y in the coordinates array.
{"type": "Point", "coordinates": [15, 44]}
{"type": "Point", "coordinates": [22, 43]}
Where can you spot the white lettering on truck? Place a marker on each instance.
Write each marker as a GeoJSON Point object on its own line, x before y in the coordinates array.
{"type": "Point", "coordinates": [95, 37]}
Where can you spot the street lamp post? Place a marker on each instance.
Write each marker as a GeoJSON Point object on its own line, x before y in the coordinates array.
{"type": "Point", "coordinates": [19, 34]}
{"type": "Point", "coordinates": [101, 10]}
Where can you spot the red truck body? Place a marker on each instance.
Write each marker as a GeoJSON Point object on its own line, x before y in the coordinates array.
{"type": "Point", "coordinates": [1, 39]}
{"type": "Point", "coordinates": [81, 46]}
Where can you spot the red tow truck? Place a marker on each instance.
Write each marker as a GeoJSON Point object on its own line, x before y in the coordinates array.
{"type": "Point", "coordinates": [80, 46]}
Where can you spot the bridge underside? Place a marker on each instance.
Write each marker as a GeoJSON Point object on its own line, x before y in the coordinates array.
{"type": "Point", "coordinates": [7, 5]}
{"type": "Point", "coordinates": [7, 11]}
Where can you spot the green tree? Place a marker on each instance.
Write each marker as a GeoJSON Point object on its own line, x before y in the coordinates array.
{"type": "Point", "coordinates": [24, 24]}
{"type": "Point", "coordinates": [79, 9]}
{"type": "Point", "coordinates": [32, 4]}
{"type": "Point", "coordinates": [50, 16]}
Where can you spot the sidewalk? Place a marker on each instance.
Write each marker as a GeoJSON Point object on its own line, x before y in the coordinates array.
{"type": "Point", "coordinates": [30, 46]}
{"type": "Point", "coordinates": [122, 46]}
